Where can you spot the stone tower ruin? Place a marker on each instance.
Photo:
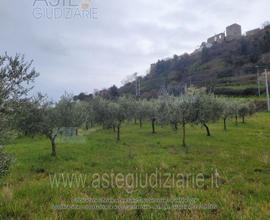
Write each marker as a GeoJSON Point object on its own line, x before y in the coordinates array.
{"type": "Point", "coordinates": [233, 32]}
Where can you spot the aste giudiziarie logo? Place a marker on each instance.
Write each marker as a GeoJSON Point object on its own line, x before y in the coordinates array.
{"type": "Point", "coordinates": [64, 9]}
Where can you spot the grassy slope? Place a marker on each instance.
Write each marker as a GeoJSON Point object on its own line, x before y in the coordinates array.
{"type": "Point", "coordinates": [241, 155]}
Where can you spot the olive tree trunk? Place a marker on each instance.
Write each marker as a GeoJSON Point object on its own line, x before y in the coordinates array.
{"type": "Point", "coordinates": [236, 120]}
{"type": "Point", "coordinates": [207, 130]}
{"type": "Point", "coordinates": [176, 126]}
{"type": "Point", "coordinates": [118, 132]}
{"type": "Point", "coordinates": [184, 134]}
{"type": "Point", "coordinates": [153, 125]}
{"type": "Point", "coordinates": [52, 139]}
{"type": "Point", "coordinates": [225, 124]}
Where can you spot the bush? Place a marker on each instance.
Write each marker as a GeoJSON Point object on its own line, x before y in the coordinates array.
{"type": "Point", "coordinates": [5, 161]}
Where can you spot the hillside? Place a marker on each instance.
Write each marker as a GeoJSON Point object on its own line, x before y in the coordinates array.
{"type": "Point", "coordinates": [228, 68]}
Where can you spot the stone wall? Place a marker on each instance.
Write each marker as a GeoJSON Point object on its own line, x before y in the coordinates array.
{"type": "Point", "coordinates": [253, 32]}
{"type": "Point", "coordinates": [217, 38]}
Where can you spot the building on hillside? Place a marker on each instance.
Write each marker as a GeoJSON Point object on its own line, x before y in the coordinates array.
{"type": "Point", "coordinates": [252, 32]}
{"type": "Point", "coordinates": [233, 32]}
{"type": "Point", "coordinates": [219, 38]}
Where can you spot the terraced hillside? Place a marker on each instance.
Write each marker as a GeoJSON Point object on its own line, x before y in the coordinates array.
{"type": "Point", "coordinates": [228, 68]}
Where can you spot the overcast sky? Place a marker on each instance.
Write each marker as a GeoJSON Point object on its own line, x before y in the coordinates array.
{"type": "Point", "coordinates": [120, 37]}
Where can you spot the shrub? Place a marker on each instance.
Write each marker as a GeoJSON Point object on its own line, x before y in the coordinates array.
{"type": "Point", "coordinates": [5, 161]}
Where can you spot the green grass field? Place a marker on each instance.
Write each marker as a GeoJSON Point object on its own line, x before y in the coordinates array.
{"type": "Point", "coordinates": [241, 156]}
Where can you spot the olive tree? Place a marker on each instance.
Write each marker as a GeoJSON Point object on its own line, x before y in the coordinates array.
{"type": "Point", "coordinates": [117, 114]}
{"type": "Point", "coordinates": [182, 108]}
{"type": "Point", "coordinates": [128, 105]}
{"type": "Point", "coordinates": [100, 108]}
{"type": "Point", "coordinates": [39, 116]}
{"type": "Point", "coordinates": [141, 111]}
{"type": "Point", "coordinates": [45, 118]}
{"type": "Point", "coordinates": [51, 125]}
{"type": "Point", "coordinates": [163, 110]}
{"type": "Point", "coordinates": [88, 113]}
{"type": "Point", "coordinates": [151, 108]}
{"type": "Point", "coordinates": [207, 109]}
{"type": "Point", "coordinates": [243, 111]}
{"type": "Point", "coordinates": [69, 112]}
{"type": "Point", "coordinates": [235, 107]}
{"type": "Point", "coordinates": [65, 113]}
{"type": "Point", "coordinates": [227, 110]}
{"type": "Point", "coordinates": [172, 113]}
{"type": "Point", "coordinates": [16, 75]}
